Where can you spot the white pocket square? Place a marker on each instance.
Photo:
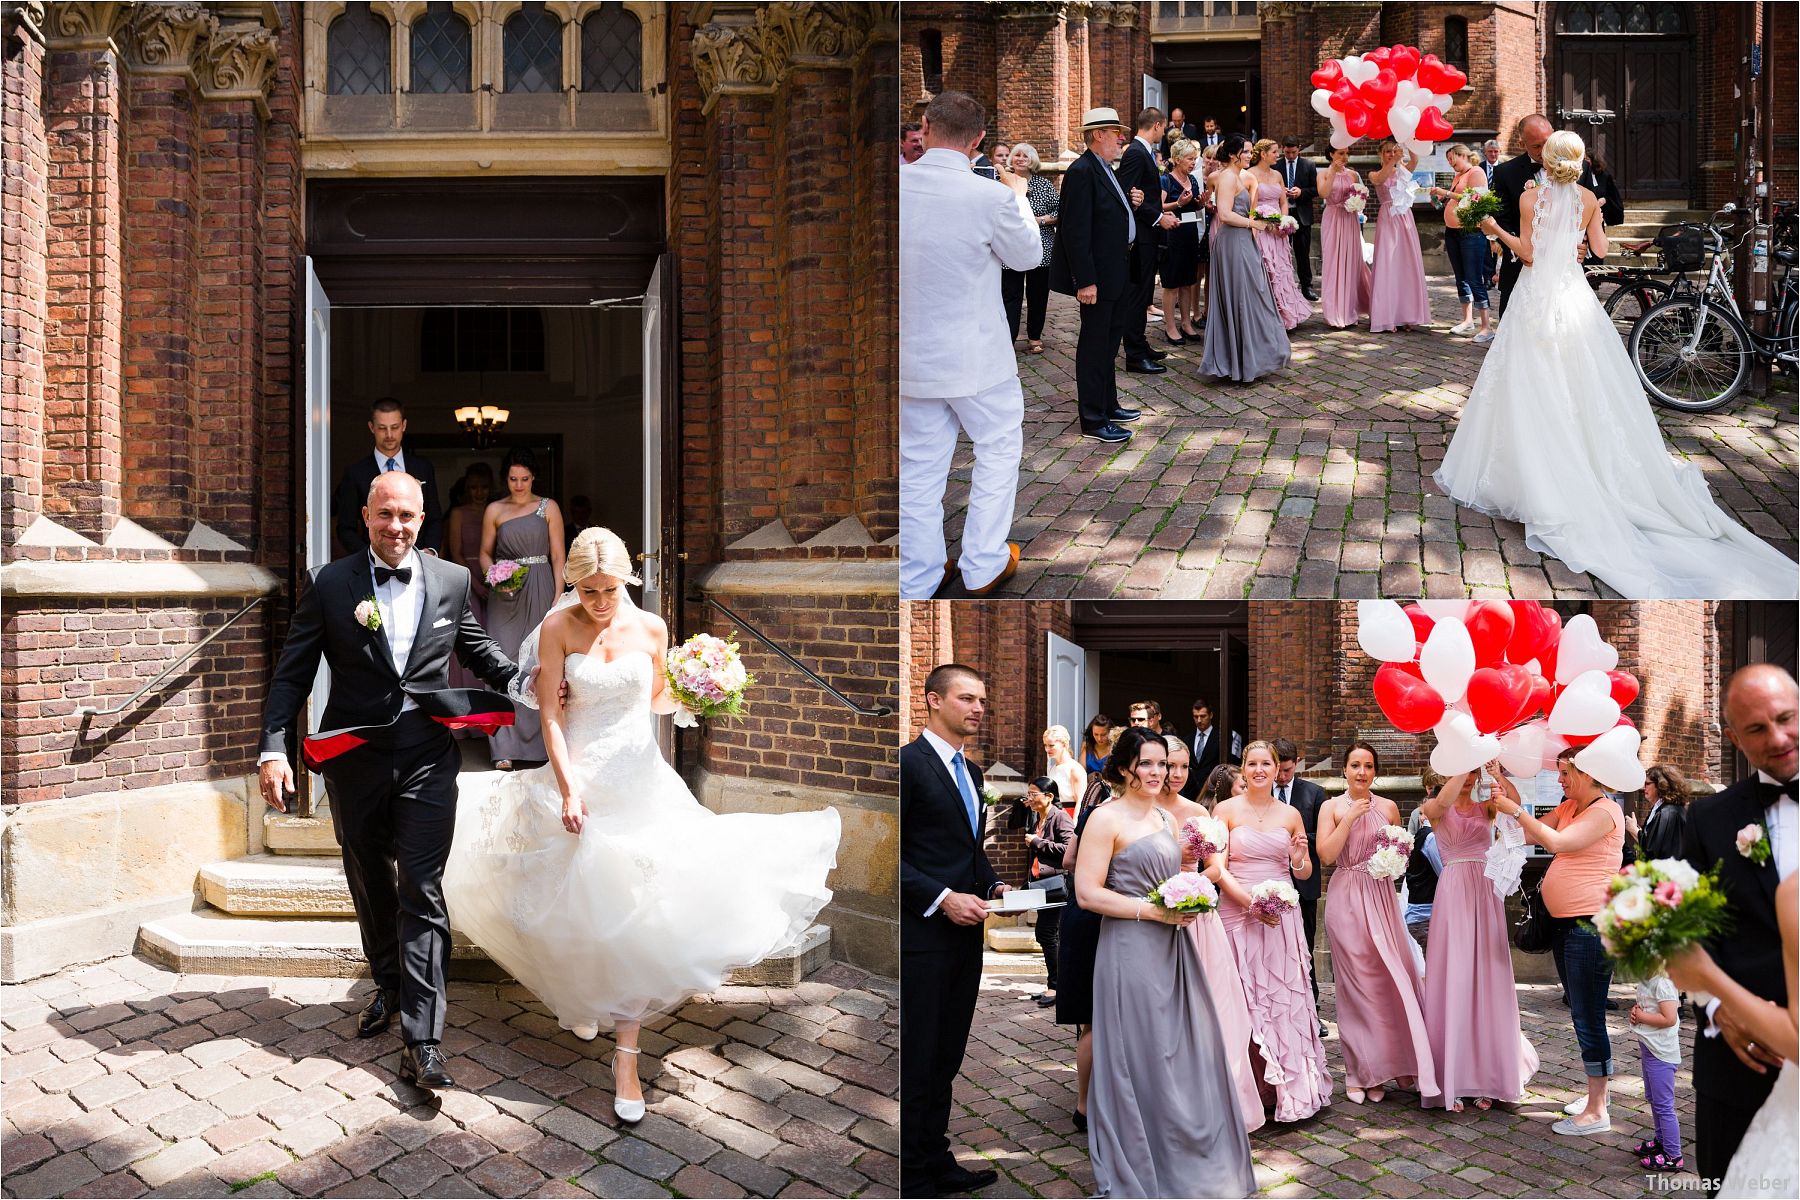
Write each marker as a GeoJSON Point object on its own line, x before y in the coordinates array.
{"type": "Point", "coordinates": [440, 622]}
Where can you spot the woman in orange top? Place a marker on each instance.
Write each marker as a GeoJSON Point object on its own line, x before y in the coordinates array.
{"type": "Point", "coordinates": [1467, 249]}
{"type": "Point", "coordinates": [1586, 832]}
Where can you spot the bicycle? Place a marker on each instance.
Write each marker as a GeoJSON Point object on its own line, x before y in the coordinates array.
{"type": "Point", "coordinates": [1637, 288]}
{"type": "Point", "coordinates": [1693, 352]}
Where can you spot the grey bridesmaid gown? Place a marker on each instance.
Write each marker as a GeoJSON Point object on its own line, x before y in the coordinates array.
{"type": "Point", "coordinates": [1163, 1112]}
{"type": "Point", "coordinates": [1245, 338]}
{"type": "Point", "coordinates": [523, 539]}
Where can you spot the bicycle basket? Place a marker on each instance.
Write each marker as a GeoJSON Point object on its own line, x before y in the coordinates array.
{"type": "Point", "coordinates": [1683, 247]}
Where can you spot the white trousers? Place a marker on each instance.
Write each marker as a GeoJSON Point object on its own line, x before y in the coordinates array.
{"type": "Point", "coordinates": [994, 421]}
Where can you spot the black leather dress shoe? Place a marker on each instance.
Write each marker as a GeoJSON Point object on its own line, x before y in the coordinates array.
{"type": "Point", "coordinates": [1146, 368]}
{"type": "Point", "coordinates": [960, 1179]}
{"type": "Point", "coordinates": [1155, 355]}
{"type": "Point", "coordinates": [1108, 432]}
{"type": "Point", "coordinates": [378, 1014]}
{"type": "Point", "coordinates": [422, 1064]}
{"type": "Point", "coordinates": [1120, 414]}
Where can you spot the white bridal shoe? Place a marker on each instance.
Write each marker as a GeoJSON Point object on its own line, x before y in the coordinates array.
{"type": "Point", "coordinates": [628, 1111]}
{"type": "Point", "coordinates": [586, 1033]}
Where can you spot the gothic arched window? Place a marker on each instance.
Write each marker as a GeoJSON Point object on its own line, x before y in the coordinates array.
{"type": "Point", "coordinates": [532, 41]}
{"type": "Point", "coordinates": [1456, 42]}
{"type": "Point", "coordinates": [931, 59]}
{"type": "Point", "coordinates": [612, 51]}
{"type": "Point", "coordinates": [440, 50]}
{"type": "Point", "coordinates": [356, 53]}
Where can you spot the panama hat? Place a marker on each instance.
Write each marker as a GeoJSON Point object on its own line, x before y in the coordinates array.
{"type": "Point", "coordinates": [1101, 118]}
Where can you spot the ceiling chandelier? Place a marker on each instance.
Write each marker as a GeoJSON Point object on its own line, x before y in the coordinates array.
{"type": "Point", "coordinates": [482, 423]}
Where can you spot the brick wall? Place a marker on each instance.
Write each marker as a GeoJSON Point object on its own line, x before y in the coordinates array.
{"type": "Point", "coordinates": [1718, 47]}
{"type": "Point", "coordinates": [24, 230]}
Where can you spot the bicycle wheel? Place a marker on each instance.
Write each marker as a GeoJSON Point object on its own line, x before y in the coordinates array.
{"type": "Point", "coordinates": [1630, 301]}
{"type": "Point", "coordinates": [1699, 381]}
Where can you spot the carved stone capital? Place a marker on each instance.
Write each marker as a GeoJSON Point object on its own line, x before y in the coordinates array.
{"type": "Point", "coordinates": [732, 59]}
{"type": "Point", "coordinates": [876, 23]}
{"type": "Point", "coordinates": [85, 26]}
{"type": "Point", "coordinates": [165, 37]}
{"type": "Point", "coordinates": [25, 19]}
{"type": "Point", "coordinates": [818, 35]}
{"type": "Point", "coordinates": [1033, 9]}
{"type": "Point", "coordinates": [238, 63]}
{"type": "Point", "coordinates": [1125, 15]}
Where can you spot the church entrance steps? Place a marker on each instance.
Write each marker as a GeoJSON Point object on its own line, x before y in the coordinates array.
{"type": "Point", "coordinates": [1646, 221]}
{"type": "Point", "coordinates": [284, 833]}
{"type": "Point", "coordinates": [284, 885]}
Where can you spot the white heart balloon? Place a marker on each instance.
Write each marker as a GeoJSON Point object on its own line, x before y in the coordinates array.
{"type": "Point", "coordinates": [1359, 70]}
{"type": "Point", "coordinates": [1448, 660]}
{"type": "Point", "coordinates": [1383, 631]}
{"type": "Point", "coordinates": [1582, 650]}
{"type": "Point", "coordinates": [1460, 746]}
{"type": "Point", "coordinates": [1445, 610]}
{"type": "Point", "coordinates": [1321, 103]}
{"type": "Point", "coordinates": [1341, 138]}
{"type": "Point", "coordinates": [1421, 150]}
{"type": "Point", "coordinates": [1408, 92]}
{"type": "Point", "coordinates": [1441, 102]}
{"type": "Point", "coordinates": [1591, 681]}
{"type": "Point", "coordinates": [1522, 749]}
{"type": "Point", "coordinates": [1583, 712]}
{"type": "Point", "coordinates": [1612, 759]}
{"type": "Point", "coordinates": [1403, 119]}
{"type": "Point", "coordinates": [1534, 667]}
{"type": "Point", "coordinates": [1553, 748]}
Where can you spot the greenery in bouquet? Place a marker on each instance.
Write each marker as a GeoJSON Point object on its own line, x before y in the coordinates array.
{"type": "Point", "coordinates": [1185, 892]}
{"type": "Point", "coordinates": [507, 576]}
{"type": "Point", "coordinates": [1477, 205]}
{"type": "Point", "coordinates": [1656, 908]}
{"type": "Point", "coordinates": [707, 678]}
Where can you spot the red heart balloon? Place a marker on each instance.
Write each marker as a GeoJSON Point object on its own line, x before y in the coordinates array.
{"type": "Point", "coordinates": [1405, 61]}
{"type": "Point", "coordinates": [1379, 56]}
{"type": "Point", "coordinates": [1490, 626]}
{"type": "Point", "coordinates": [1582, 739]}
{"type": "Point", "coordinates": [1421, 622]}
{"type": "Point", "coordinates": [1433, 128]}
{"type": "Point", "coordinates": [1343, 95]}
{"type": "Point", "coordinates": [1533, 627]}
{"type": "Point", "coordinates": [1379, 91]}
{"type": "Point", "coordinates": [1542, 691]}
{"type": "Point", "coordinates": [1624, 687]}
{"type": "Point", "coordinates": [1498, 696]}
{"type": "Point", "coordinates": [1328, 74]}
{"type": "Point", "coordinates": [1358, 119]}
{"type": "Point", "coordinates": [1430, 75]}
{"type": "Point", "coordinates": [1546, 657]}
{"type": "Point", "coordinates": [1454, 81]}
{"type": "Point", "coordinates": [1378, 124]}
{"type": "Point", "coordinates": [1405, 699]}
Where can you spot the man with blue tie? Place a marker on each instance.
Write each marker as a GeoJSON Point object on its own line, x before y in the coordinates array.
{"type": "Point", "coordinates": [387, 425]}
{"type": "Point", "coordinates": [945, 883]}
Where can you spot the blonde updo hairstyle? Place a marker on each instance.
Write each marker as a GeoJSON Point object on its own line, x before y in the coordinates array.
{"type": "Point", "coordinates": [1563, 155]}
{"type": "Point", "coordinates": [598, 550]}
{"type": "Point", "coordinates": [1262, 147]}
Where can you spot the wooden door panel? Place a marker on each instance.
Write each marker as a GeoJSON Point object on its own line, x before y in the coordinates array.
{"type": "Point", "coordinates": [1658, 149]}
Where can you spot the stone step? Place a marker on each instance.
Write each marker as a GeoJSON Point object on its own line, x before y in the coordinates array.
{"type": "Point", "coordinates": [1012, 939]}
{"type": "Point", "coordinates": [209, 942]}
{"type": "Point", "coordinates": [284, 833]}
{"type": "Point", "coordinates": [279, 885]}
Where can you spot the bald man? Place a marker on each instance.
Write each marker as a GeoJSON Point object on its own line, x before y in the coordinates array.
{"type": "Point", "coordinates": [1732, 1074]}
{"type": "Point", "coordinates": [386, 620]}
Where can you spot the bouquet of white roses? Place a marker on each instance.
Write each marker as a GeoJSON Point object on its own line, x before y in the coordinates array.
{"type": "Point", "coordinates": [1358, 198]}
{"type": "Point", "coordinates": [1392, 850]}
{"type": "Point", "coordinates": [1273, 897]}
{"type": "Point", "coordinates": [1203, 837]}
{"type": "Point", "coordinates": [1655, 909]}
{"type": "Point", "coordinates": [1185, 892]}
{"type": "Point", "coordinates": [707, 678]}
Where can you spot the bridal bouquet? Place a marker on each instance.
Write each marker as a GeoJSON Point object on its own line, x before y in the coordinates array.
{"type": "Point", "coordinates": [1274, 220]}
{"type": "Point", "coordinates": [1392, 850]}
{"type": "Point", "coordinates": [1657, 908]}
{"type": "Point", "coordinates": [1478, 204]}
{"type": "Point", "coordinates": [1358, 199]}
{"type": "Point", "coordinates": [1273, 897]}
{"type": "Point", "coordinates": [707, 679]}
{"type": "Point", "coordinates": [507, 576]}
{"type": "Point", "coordinates": [1185, 892]}
{"type": "Point", "coordinates": [1203, 837]}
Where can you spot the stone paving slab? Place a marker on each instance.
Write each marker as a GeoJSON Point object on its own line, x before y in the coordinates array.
{"type": "Point", "coordinates": [1017, 1089]}
{"type": "Point", "coordinates": [128, 1079]}
{"type": "Point", "coordinates": [1316, 481]}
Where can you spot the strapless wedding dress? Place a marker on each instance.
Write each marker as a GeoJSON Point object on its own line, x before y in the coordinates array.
{"type": "Point", "coordinates": [1764, 1164]}
{"type": "Point", "coordinates": [657, 898]}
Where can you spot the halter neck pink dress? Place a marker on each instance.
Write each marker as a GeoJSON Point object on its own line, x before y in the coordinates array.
{"type": "Point", "coordinates": [1398, 284]}
{"type": "Point", "coordinates": [1343, 275]}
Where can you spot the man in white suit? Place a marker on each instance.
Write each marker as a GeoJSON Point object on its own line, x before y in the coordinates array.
{"type": "Point", "coordinates": [957, 368]}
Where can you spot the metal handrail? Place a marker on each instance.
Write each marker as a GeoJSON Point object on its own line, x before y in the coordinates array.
{"type": "Point", "coordinates": [880, 710]}
{"type": "Point", "coordinates": [87, 710]}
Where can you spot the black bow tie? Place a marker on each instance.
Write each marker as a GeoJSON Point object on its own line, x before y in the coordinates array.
{"type": "Point", "coordinates": [1769, 793]}
{"type": "Point", "coordinates": [383, 574]}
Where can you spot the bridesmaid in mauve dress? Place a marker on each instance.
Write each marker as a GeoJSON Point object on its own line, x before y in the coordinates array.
{"type": "Point", "coordinates": [1398, 298]}
{"type": "Point", "coordinates": [1163, 1119]}
{"type": "Point", "coordinates": [525, 528]}
{"type": "Point", "coordinates": [1277, 251]}
{"type": "Point", "coordinates": [1343, 275]}
{"type": "Point", "coordinates": [1268, 841]}
{"type": "Point", "coordinates": [1471, 1009]}
{"type": "Point", "coordinates": [1245, 338]}
{"type": "Point", "coordinates": [1380, 1012]}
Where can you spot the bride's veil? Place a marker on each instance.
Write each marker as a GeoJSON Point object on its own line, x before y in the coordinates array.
{"type": "Point", "coordinates": [528, 649]}
{"type": "Point", "coordinates": [1556, 226]}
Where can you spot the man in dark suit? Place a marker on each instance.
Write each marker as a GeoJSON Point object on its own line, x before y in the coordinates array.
{"type": "Point", "coordinates": [1093, 262]}
{"type": "Point", "coordinates": [945, 882]}
{"type": "Point", "coordinates": [1302, 178]}
{"type": "Point", "coordinates": [1210, 134]}
{"type": "Point", "coordinates": [1308, 797]}
{"type": "Point", "coordinates": [387, 425]}
{"type": "Point", "coordinates": [386, 622]}
{"type": "Point", "coordinates": [1210, 746]}
{"type": "Point", "coordinates": [1510, 180]}
{"type": "Point", "coordinates": [1139, 176]}
{"type": "Point", "coordinates": [1733, 1075]}
{"type": "Point", "coordinates": [1490, 159]}
{"type": "Point", "coordinates": [1179, 128]}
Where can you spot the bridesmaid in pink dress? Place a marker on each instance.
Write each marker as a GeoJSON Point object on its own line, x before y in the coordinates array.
{"type": "Point", "coordinates": [1217, 965]}
{"type": "Point", "coordinates": [1381, 1015]}
{"type": "Point", "coordinates": [1471, 1009]}
{"type": "Point", "coordinates": [1343, 275]}
{"type": "Point", "coordinates": [1268, 841]}
{"type": "Point", "coordinates": [1398, 298]}
{"type": "Point", "coordinates": [1276, 249]}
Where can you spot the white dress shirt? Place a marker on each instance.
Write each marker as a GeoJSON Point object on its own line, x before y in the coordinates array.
{"type": "Point", "coordinates": [957, 230]}
{"type": "Point", "coordinates": [947, 752]}
{"type": "Point", "coordinates": [1781, 826]}
{"type": "Point", "coordinates": [399, 604]}
{"type": "Point", "coordinates": [381, 461]}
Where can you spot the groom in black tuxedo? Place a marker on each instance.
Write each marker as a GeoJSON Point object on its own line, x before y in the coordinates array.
{"type": "Point", "coordinates": [1308, 797]}
{"type": "Point", "coordinates": [1732, 1074]}
{"type": "Point", "coordinates": [388, 759]}
{"type": "Point", "coordinates": [945, 881]}
{"type": "Point", "coordinates": [1509, 181]}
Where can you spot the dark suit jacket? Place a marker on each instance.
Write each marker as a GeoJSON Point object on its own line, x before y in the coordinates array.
{"type": "Point", "coordinates": [1188, 130]}
{"type": "Point", "coordinates": [1090, 233]}
{"type": "Point", "coordinates": [353, 492]}
{"type": "Point", "coordinates": [366, 689]}
{"type": "Point", "coordinates": [1750, 951]}
{"type": "Point", "coordinates": [937, 851]}
{"type": "Point", "coordinates": [1306, 178]}
{"type": "Point", "coordinates": [1663, 833]}
{"type": "Point", "coordinates": [1509, 181]}
{"type": "Point", "coordinates": [1218, 750]}
{"type": "Point", "coordinates": [1309, 798]}
{"type": "Point", "coordinates": [1137, 169]}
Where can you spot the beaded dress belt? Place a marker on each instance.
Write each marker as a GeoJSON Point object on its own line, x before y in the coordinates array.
{"type": "Point", "coordinates": [1451, 862]}
{"type": "Point", "coordinates": [532, 560]}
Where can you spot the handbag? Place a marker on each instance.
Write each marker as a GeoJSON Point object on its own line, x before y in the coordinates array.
{"type": "Point", "coordinates": [1532, 934]}
{"type": "Point", "coordinates": [1055, 887]}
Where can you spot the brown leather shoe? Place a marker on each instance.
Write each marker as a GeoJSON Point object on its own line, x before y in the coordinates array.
{"type": "Point", "coordinates": [1006, 573]}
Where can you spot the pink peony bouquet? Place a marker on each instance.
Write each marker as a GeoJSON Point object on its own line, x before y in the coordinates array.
{"type": "Point", "coordinates": [1656, 908]}
{"type": "Point", "coordinates": [1185, 892]}
{"type": "Point", "coordinates": [707, 679]}
{"type": "Point", "coordinates": [1274, 220]}
{"type": "Point", "coordinates": [1202, 837]}
{"type": "Point", "coordinates": [1273, 897]}
{"type": "Point", "coordinates": [507, 576]}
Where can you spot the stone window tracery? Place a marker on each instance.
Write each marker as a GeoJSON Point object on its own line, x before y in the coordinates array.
{"type": "Point", "coordinates": [532, 50]}
{"type": "Point", "coordinates": [441, 54]}
{"type": "Point", "coordinates": [612, 50]}
{"type": "Point", "coordinates": [357, 47]}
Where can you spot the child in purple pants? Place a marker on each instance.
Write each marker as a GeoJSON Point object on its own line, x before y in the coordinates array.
{"type": "Point", "coordinates": [1656, 1017]}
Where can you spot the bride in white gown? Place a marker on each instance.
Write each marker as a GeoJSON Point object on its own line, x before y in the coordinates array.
{"type": "Point", "coordinates": [598, 881]}
{"type": "Point", "coordinates": [1558, 434]}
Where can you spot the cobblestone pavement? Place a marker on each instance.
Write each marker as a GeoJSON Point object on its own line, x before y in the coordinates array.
{"type": "Point", "coordinates": [125, 1079]}
{"type": "Point", "coordinates": [1316, 481]}
{"type": "Point", "coordinates": [1017, 1055]}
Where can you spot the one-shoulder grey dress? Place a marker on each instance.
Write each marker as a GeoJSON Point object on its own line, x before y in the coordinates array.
{"type": "Point", "coordinates": [1245, 338]}
{"type": "Point", "coordinates": [1162, 1108]}
{"type": "Point", "coordinates": [523, 539]}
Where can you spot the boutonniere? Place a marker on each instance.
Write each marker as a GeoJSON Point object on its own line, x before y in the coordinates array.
{"type": "Point", "coordinates": [1753, 843]}
{"type": "Point", "coordinates": [368, 615]}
